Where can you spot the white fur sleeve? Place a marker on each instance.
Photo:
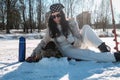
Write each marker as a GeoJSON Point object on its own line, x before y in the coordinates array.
{"type": "Point", "coordinates": [75, 28]}
{"type": "Point", "coordinates": [43, 42]}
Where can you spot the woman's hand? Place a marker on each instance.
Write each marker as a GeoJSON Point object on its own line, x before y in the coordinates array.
{"type": "Point", "coordinates": [33, 59]}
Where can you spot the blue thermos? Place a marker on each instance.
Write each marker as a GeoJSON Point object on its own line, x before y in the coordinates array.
{"type": "Point", "coordinates": [22, 49]}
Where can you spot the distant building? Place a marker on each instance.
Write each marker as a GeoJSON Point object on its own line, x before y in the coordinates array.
{"type": "Point", "coordinates": [84, 18]}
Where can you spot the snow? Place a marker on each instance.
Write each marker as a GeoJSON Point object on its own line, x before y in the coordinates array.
{"type": "Point", "coordinates": [52, 68]}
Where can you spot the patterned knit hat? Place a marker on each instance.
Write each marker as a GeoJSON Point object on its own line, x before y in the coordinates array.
{"type": "Point", "coordinates": [56, 7]}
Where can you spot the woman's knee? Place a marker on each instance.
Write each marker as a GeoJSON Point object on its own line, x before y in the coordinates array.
{"type": "Point", "coordinates": [86, 27]}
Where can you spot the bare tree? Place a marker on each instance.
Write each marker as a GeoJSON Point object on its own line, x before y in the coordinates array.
{"type": "Point", "coordinates": [22, 8]}
{"type": "Point", "coordinates": [2, 13]}
{"type": "Point", "coordinates": [8, 16]}
{"type": "Point", "coordinates": [70, 6]}
{"type": "Point", "coordinates": [30, 16]}
{"type": "Point", "coordinates": [101, 14]}
{"type": "Point", "coordinates": [13, 15]}
{"type": "Point", "coordinates": [104, 13]}
{"type": "Point", "coordinates": [59, 1]}
{"type": "Point", "coordinates": [39, 11]}
{"type": "Point", "coordinates": [95, 16]}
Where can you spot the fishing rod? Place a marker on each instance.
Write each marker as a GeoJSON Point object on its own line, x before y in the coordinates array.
{"type": "Point", "coordinates": [114, 29]}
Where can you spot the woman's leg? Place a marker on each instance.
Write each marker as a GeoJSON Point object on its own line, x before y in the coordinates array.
{"type": "Point", "coordinates": [90, 38]}
{"type": "Point", "coordinates": [85, 54]}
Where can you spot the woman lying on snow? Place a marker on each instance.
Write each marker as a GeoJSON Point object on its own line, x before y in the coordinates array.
{"type": "Point", "coordinates": [72, 43]}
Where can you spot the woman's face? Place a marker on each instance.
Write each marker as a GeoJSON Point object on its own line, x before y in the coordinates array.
{"type": "Point", "coordinates": [56, 17]}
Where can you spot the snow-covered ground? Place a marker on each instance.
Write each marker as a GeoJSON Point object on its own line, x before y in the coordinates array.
{"type": "Point", "coordinates": [52, 68]}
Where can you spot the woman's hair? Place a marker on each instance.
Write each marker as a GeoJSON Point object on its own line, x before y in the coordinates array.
{"type": "Point", "coordinates": [54, 32]}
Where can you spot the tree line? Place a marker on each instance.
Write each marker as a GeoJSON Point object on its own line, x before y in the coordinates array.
{"type": "Point", "coordinates": [33, 14]}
